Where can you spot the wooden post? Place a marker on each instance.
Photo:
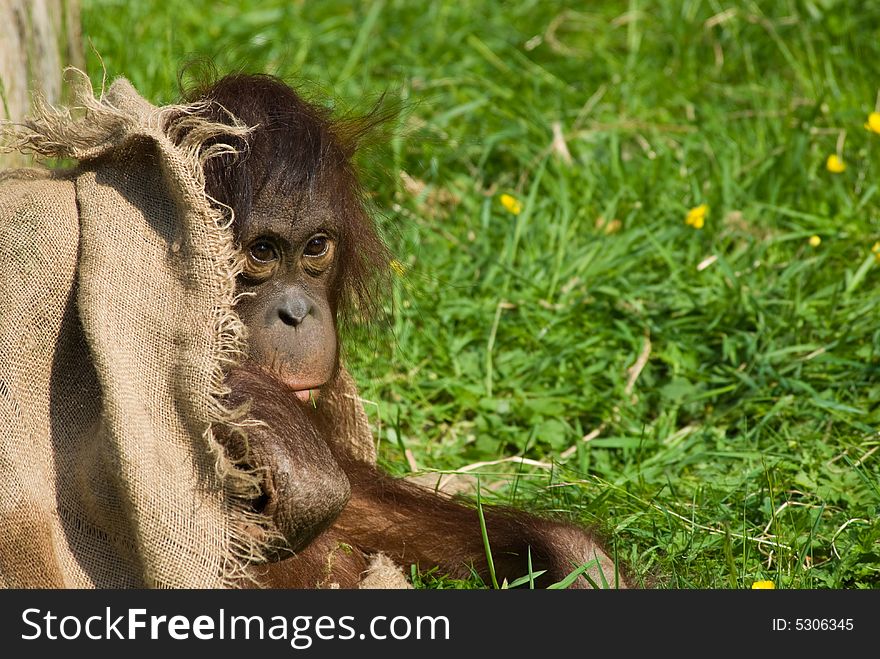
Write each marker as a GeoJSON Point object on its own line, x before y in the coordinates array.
{"type": "Point", "coordinates": [38, 38]}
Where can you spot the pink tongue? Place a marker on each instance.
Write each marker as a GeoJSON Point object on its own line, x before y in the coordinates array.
{"type": "Point", "coordinates": [303, 395]}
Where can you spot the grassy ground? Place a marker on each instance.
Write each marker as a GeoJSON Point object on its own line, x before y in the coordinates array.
{"type": "Point", "coordinates": [707, 396]}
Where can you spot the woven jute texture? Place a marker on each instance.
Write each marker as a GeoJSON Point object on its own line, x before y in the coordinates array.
{"type": "Point", "coordinates": [117, 284]}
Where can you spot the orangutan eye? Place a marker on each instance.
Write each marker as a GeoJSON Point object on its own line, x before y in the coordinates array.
{"type": "Point", "coordinates": [263, 251]}
{"type": "Point", "coordinates": [262, 258]}
{"type": "Point", "coordinates": [317, 255]}
{"type": "Point", "coordinates": [317, 246]}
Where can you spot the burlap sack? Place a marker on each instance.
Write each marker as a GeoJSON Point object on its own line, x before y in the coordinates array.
{"type": "Point", "coordinates": [116, 326]}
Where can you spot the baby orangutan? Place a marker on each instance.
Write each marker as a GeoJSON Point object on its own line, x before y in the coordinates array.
{"type": "Point", "coordinates": [310, 252]}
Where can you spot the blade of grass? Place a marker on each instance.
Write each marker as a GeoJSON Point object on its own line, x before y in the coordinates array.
{"type": "Point", "coordinates": [357, 50]}
{"type": "Point", "coordinates": [485, 535]}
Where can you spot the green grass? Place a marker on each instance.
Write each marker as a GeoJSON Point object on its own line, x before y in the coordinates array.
{"type": "Point", "coordinates": [744, 445]}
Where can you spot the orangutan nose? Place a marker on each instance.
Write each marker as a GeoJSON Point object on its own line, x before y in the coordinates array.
{"type": "Point", "coordinates": [294, 309]}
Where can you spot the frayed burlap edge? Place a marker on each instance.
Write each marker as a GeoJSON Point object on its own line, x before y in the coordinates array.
{"type": "Point", "coordinates": [383, 573]}
{"type": "Point", "coordinates": [93, 125]}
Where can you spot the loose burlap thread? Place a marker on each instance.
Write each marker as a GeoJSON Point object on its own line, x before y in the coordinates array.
{"type": "Point", "coordinates": [117, 285]}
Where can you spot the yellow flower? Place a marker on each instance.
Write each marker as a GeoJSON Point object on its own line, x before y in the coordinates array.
{"type": "Point", "coordinates": [763, 585]}
{"type": "Point", "coordinates": [815, 241]}
{"type": "Point", "coordinates": [511, 203]}
{"type": "Point", "coordinates": [873, 123]}
{"type": "Point", "coordinates": [608, 228]}
{"type": "Point", "coordinates": [696, 217]}
{"type": "Point", "coordinates": [835, 164]}
{"type": "Point", "coordinates": [397, 267]}
{"type": "Point", "coordinates": [875, 250]}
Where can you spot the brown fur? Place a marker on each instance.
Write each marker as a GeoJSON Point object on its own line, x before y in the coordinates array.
{"type": "Point", "coordinates": [304, 487]}
{"type": "Point", "coordinates": [414, 525]}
